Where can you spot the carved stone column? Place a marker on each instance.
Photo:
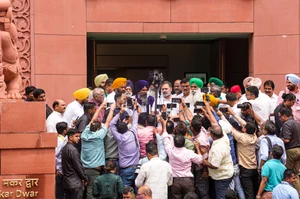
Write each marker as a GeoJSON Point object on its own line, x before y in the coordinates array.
{"type": "Point", "coordinates": [21, 14]}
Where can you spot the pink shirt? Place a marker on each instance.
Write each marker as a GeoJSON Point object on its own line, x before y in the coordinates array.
{"type": "Point", "coordinates": [144, 136]}
{"type": "Point", "coordinates": [296, 107]}
{"type": "Point", "coordinates": [202, 137]}
{"type": "Point", "coordinates": [180, 159]}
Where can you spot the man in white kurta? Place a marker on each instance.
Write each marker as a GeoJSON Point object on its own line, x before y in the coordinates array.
{"type": "Point", "coordinates": [157, 174]}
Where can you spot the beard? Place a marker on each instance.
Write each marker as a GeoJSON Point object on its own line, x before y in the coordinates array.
{"type": "Point", "coordinates": [167, 94]}
{"type": "Point", "coordinates": [177, 92]}
{"type": "Point", "coordinates": [128, 94]}
{"type": "Point", "coordinates": [144, 99]}
{"type": "Point", "coordinates": [291, 88]}
{"type": "Point", "coordinates": [152, 93]}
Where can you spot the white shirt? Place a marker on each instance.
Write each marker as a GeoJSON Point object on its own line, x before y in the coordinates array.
{"type": "Point", "coordinates": [73, 111]}
{"type": "Point", "coordinates": [54, 118]}
{"type": "Point", "coordinates": [262, 106]}
{"type": "Point", "coordinates": [274, 99]}
{"type": "Point", "coordinates": [157, 174]}
{"type": "Point", "coordinates": [111, 97]}
{"type": "Point", "coordinates": [61, 142]}
{"type": "Point", "coordinates": [177, 96]}
{"type": "Point", "coordinates": [162, 100]}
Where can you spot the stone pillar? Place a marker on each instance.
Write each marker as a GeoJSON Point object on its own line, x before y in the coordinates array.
{"type": "Point", "coordinates": [275, 46]}
{"type": "Point", "coordinates": [27, 160]}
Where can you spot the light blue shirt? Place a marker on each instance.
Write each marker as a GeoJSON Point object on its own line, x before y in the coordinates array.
{"type": "Point", "coordinates": [264, 148]}
{"type": "Point", "coordinates": [285, 191]}
{"type": "Point", "coordinates": [162, 154]}
{"type": "Point", "coordinates": [273, 169]}
{"type": "Point", "coordinates": [92, 149]}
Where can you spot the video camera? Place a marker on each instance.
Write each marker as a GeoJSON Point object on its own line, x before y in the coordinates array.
{"type": "Point", "coordinates": [245, 105]}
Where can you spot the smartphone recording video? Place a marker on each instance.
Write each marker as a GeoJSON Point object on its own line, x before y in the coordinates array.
{"type": "Point", "coordinates": [199, 103]}
{"type": "Point", "coordinates": [176, 100]}
{"type": "Point", "coordinates": [171, 106]}
{"type": "Point", "coordinates": [129, 103]}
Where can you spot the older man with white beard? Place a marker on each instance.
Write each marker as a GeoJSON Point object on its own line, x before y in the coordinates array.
{"type": "Point", "coordinates": [143, 98]}
{"type": "Point", "coordinates": [195, 94]}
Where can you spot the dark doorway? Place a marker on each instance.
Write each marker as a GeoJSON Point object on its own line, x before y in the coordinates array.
{"type": "Point", "coordinates": [226, 58]}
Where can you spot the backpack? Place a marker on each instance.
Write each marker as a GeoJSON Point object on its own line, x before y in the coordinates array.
{"type": "Point", "coordinates": [108, 187]}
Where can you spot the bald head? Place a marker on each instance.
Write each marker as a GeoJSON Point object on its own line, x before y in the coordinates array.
{"type": "Point", "coordinates": [216, 132]}
{"type": "Point", "coordinates": [59, 106]}
{"type": "Point", "coordinates": [145, 190]}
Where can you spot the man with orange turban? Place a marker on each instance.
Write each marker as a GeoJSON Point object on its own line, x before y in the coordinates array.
{"type": "Point", "coordinates": [119, 85]}
{"type": "Point", "coordinates": [74, 110]}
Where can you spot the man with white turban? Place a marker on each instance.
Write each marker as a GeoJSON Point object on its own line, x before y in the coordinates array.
{"type": "Point", "coordinates": [292, 82]}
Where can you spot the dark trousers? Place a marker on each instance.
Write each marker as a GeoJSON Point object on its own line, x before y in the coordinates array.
{"type": "Point", "coordinates": [92, 175]}
{"type": "Point", "coordinates": [59, 190]}
{"type": "Point", "coordinates": [221, 187]}
{"type": "Point", "coordinates": [249, 181]}
{"type": "Point", "coordinates": [180, 187]}
{"type": "Point", "coordinates": [74, 193]}
{"type": "Point", "coordinates": [202, 185]}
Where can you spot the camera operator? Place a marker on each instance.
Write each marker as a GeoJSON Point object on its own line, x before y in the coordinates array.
{"type": "Point", "coordinates": [248, 115]}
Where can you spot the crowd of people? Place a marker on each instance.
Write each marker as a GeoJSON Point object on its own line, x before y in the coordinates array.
{"type": "Point", "coordinates": [182, 140]}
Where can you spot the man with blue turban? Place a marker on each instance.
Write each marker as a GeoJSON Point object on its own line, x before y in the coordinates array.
{"type": "Point", "coordinates": [292, 82]}
{"type": "Point", "coordinates": [143, 99]}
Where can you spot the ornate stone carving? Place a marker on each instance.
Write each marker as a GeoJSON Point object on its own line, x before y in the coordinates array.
{"type": "Point", "coordinates": [21, 18]}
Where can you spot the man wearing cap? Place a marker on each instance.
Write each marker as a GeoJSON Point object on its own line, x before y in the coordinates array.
{"type": "Point", "coordinates": [74, 110]}
{"type": "Point", "coordinates": [143, 99]}
{"type": "Point", "coordinates": [216, 81]}
{"type": "Point", "coordinates": [236, 89]}
{"type": "Point", "coordinates": [195, 94]}
{"type": "Point", "coordinates": [292, 81]}
{"type": "Point", "coordinates": [119, 85]}
{"type": "Point", "coordinates": [246, 84]}
{"type": "Point", "coordinates": [100, 80]}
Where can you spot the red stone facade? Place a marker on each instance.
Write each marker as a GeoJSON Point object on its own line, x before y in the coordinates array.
{"type": "Point", "coordinates": [26, 151]}
{"type": "Point", "coordinates": [53, 45]}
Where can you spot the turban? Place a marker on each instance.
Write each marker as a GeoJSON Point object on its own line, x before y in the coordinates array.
{"type": "Point", "coordinates": [139, 85]}
{"type": "Point", "coordinates": [246, 80]}
{"type": "Point", "coordinates": [256, 82]}
{"type": "Point", "coordinates": [82, 93]}
{"type": "Point", "coordinates": [99, 79]}
{"type": "Point", "coordinates": [130, 84]}
{"type": "Point", "coordinates": [294, 79]}
{"type": "Point", "coordinates": [235, 89]}
{"type": "Point", "coordinates": [197, 81]}
{"type": "Point", "coordinates": [216, 81]}
{"type": "Point", "coordinates": [119, 82]}
{"type": "Point", "coordinates": [213, 101]}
